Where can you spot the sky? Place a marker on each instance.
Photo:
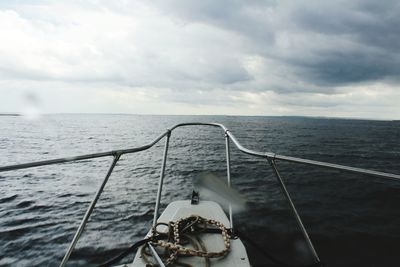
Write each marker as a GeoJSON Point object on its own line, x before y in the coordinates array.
{"type": "Point", "coordinates": [303, 58]}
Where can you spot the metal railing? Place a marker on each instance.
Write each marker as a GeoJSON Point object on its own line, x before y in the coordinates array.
{"type": "Point", "coordinates": [270, 157]}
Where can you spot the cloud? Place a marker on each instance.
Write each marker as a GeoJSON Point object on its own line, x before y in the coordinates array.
{"type": "Point", "coordinates": [356, 41]}
{"type": "Point", "coordinates": [324, 43]}
{"type": "Point", "coordinates": [253, 57]}
{"type": "Point", "coordinates": [98, 45]}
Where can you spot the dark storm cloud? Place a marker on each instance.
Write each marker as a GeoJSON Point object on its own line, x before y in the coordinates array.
{"type": "Point", "coordinates": [344, 42]}
{"type": "Point", "coordinates": [248, 18]}
{"type": "Point", "coordinates": [373, 23]}
{"type": "Point", "coordinates": [372, 27]}
{"type": "Point", "coordinates": [344, 67]}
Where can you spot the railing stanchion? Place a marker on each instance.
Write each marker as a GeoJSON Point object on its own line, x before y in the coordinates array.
{"type": "Point", "coordinates": [294, 211]}
{"type": "Point", "coordinates": [160, 183]}
{"type": "Point", "coordinates": [89, 211]}
{"type": "Point", "coordinates": [228, 174]}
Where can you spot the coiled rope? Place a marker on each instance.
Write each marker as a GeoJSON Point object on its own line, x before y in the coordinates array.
{"type": "Point", "coordinates": [183, 232]}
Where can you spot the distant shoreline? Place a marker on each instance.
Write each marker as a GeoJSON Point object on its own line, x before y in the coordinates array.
{"type": "Point", "coordinates": [10, 114]}
{"type": "Point", "coordinates": [215, 115]}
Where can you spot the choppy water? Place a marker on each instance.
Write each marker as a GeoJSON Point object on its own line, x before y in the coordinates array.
{"type": "Point", "coordinates": [352, 219]}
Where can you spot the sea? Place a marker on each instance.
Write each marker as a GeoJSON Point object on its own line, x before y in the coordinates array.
{"type": "Point", "coordinates": [352, 219]}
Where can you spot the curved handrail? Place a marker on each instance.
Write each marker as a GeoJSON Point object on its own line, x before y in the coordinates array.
{"type": "Point", "coordinates": [267, 155]}
{"type": "Point", "coordinates": [82, 157]}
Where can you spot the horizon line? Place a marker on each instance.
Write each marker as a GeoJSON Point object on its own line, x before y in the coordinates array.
{"type": "Point", "coordinates": [17, 114]}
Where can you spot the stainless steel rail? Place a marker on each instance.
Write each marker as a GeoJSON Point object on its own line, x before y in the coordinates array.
{"type": "Point", "coordinates": [161, 182]}
{"type": "Point", "coordinates": [89, 212]}
{"type": "Point", "coordinates": [294, 210]}
{"type": "Point", "coordinates": [269, 156]}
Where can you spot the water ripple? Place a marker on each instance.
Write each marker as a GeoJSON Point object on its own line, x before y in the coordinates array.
{"type": "Point", "coordinates": [41, 208]}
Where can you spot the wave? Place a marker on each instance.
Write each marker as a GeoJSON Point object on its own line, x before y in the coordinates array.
{"type": "Point", "coordinates": [8, 199]}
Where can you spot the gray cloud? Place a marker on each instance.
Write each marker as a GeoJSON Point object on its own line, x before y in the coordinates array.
{"type": "Point", "coordinates": [324, 44]}
{"type": "Point", "coordinates": [247, 18]}
{"type": "Point", "coordinates": [371, 29]}
{"type": "Point", "coordinates": [344, 67]}
{"type": "Point", "coordinates": [253, 53]}
{"type": "Point", "coordinates": [331, 43]}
